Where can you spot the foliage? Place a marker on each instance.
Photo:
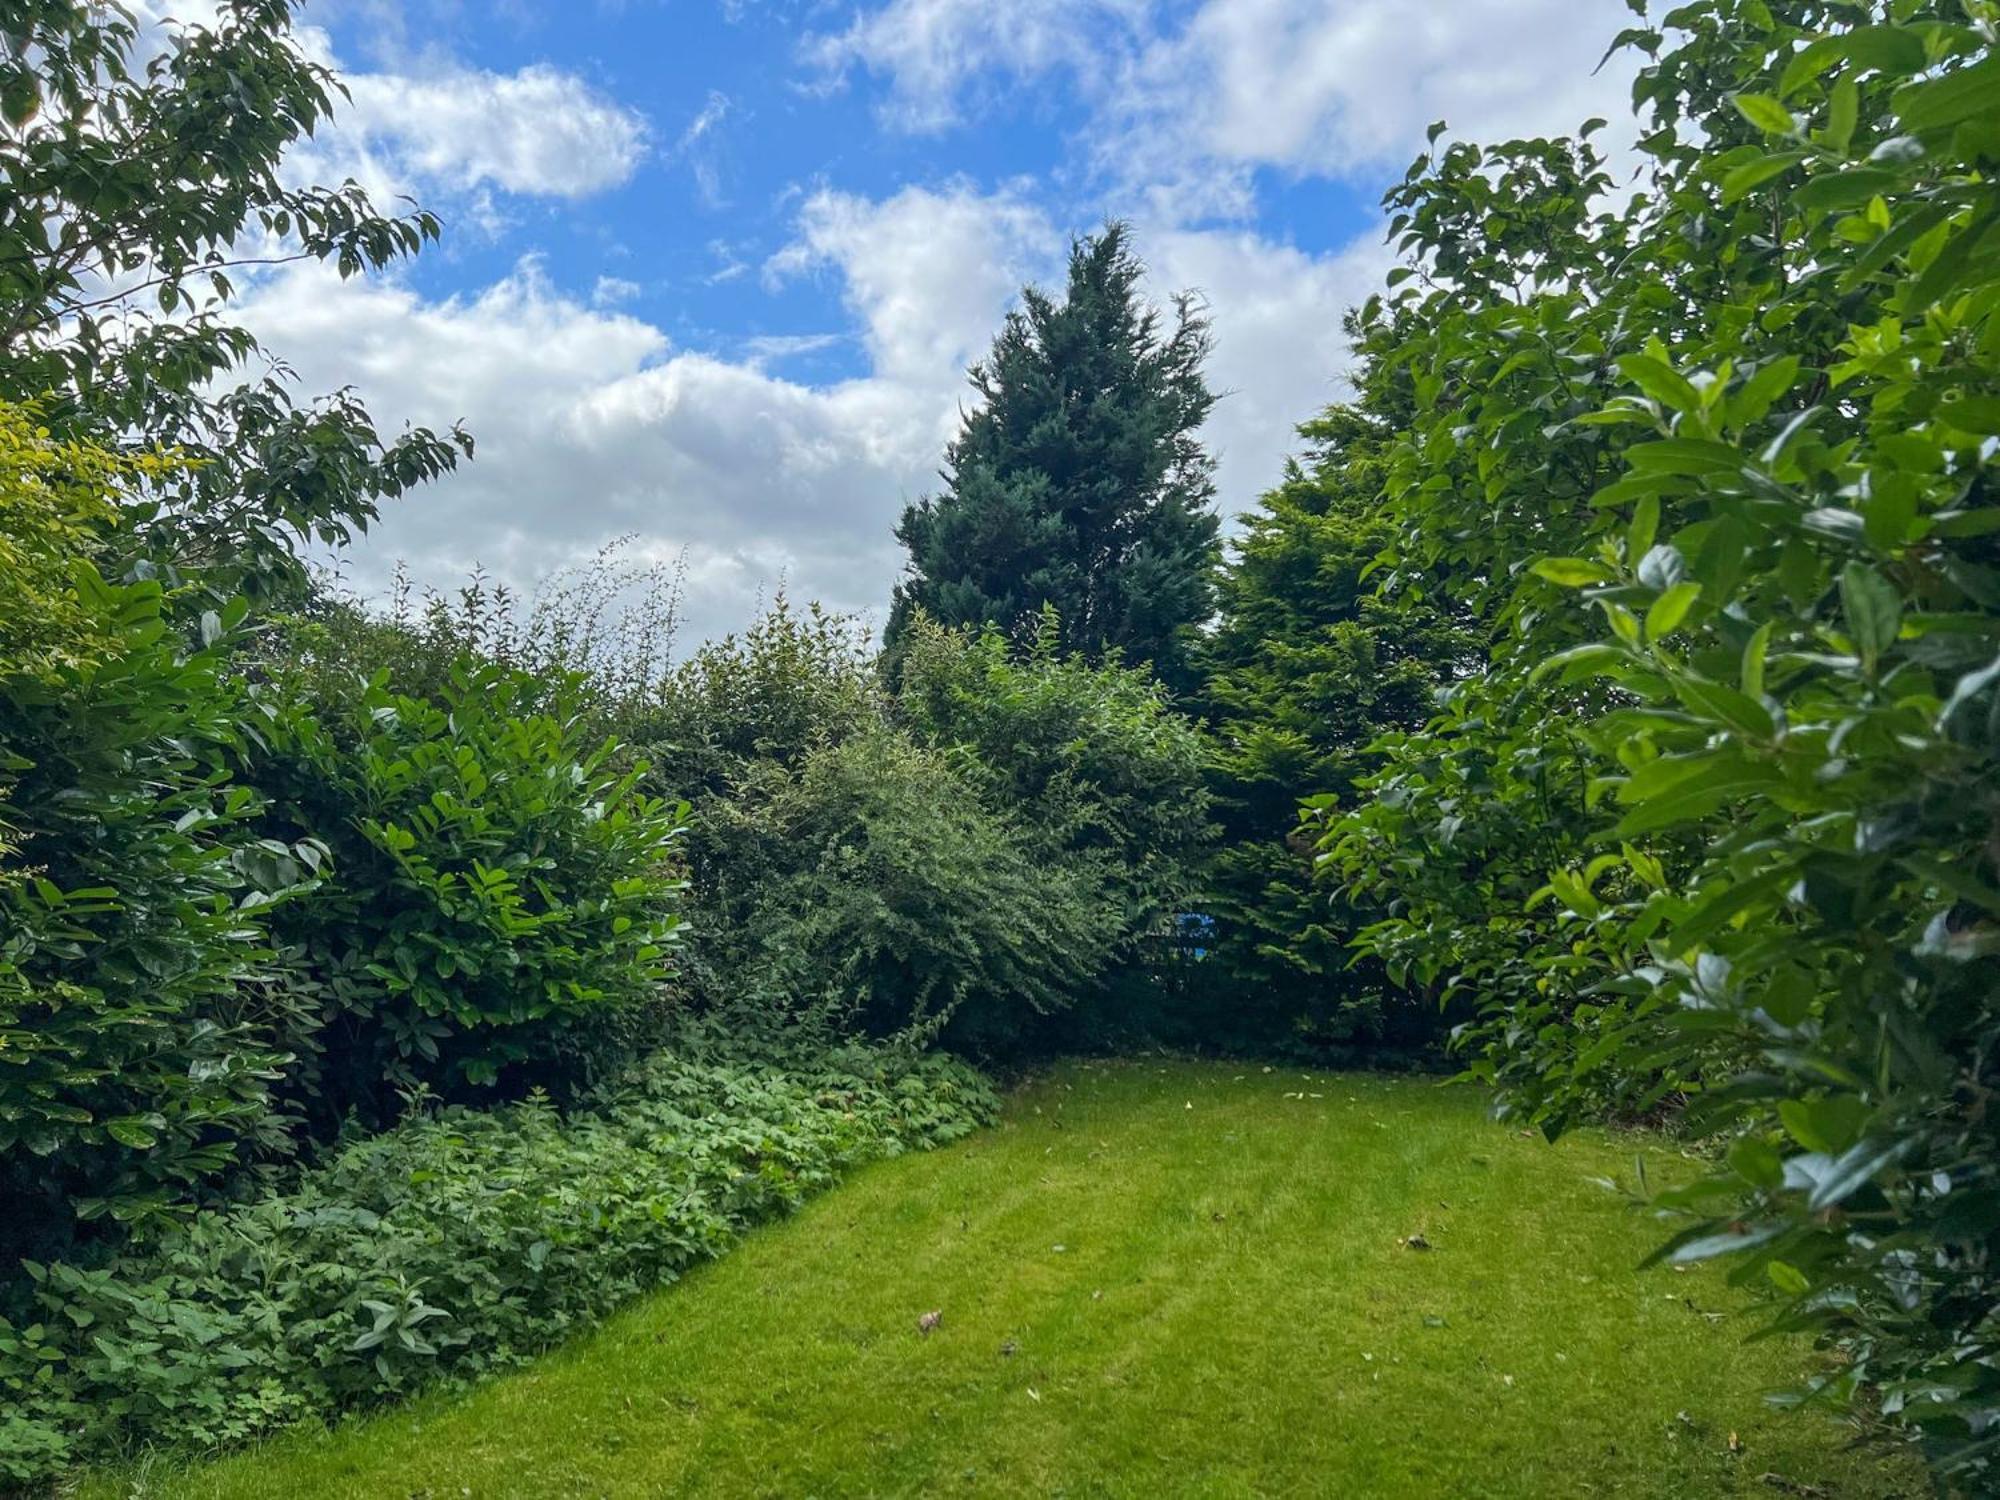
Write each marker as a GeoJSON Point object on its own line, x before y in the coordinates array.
{"type": "Point", "coordinates": [1077, 480]}
{"type": "Point", "coordinates": [1092, 757]}
{"type": "Point", "coordinates": [55, 506]}
{"type": "Point", "coordinates": [142, 174]}
{"type": "Point", "coordinates": [597, 637]}
{"type": "Point", "coordinates": [873, 886]}
{"type": "Point", "coordinates": [456, 1244]}
{"type": "Point", "coordinates": [1307, 667]}
{"type": "Point", "coordinates": [1735, 814]}
{"type": "Point", "coordinates": [795, 681]}
{"type": "Point", "coordinates": [495, 880]}
{"type": "Point", "coordinates": [131, 879]}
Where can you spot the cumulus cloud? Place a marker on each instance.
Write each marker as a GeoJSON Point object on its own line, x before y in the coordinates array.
{"type": "Point", "coordinates": [1276, 316]}
{"type": "Point", "coordinates": [1188, 102]}
{"type": "Point", "coordinates": [538, 131]}
{"type": "Point", "coordinates": [934, 51]}
{"type": "Point", "coordinates": [925, 272]}
{"type": "Point", "coordinates": [591, 424]}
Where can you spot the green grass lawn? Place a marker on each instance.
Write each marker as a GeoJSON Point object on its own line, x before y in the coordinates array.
{"type": "Point", "coordinates": [1154, 1280]}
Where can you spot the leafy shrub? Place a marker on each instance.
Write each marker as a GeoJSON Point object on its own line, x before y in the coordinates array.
{"type": "Point", "coordinates": [794, 682]}
{"type": "Point", "coordinates": [1735, 818]}
{"type": "Point", "coordinates": [1092, 757]}
{"type": "Point", "coordinates": [133, 1061]}
{"type": "Point", "coordinates": [873, 886]}
{"type": "Point", "coordinates": [494, 881]}
{"type": "Point", "coordinates": [451, 1246]}
{"type": "Point", "coordinates": [597, 638]}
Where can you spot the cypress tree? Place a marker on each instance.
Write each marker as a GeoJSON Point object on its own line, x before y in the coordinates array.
{"type": "Point", "coordinates": [1307, 665]}
{"type": "Point", "coordinates": [1076, 480]}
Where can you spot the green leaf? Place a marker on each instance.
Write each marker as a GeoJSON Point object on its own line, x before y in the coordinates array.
{"type": "Point", "coordinates": [133, 1131]}
{"type": "Point", "coordinates": [1766, 113]}
{"type": "Point", "coordinates": [1873, 609]}
{"type": "Point", "coordinates": [1693, 456]}
{"type": "Point", "coordinates": [1571, 572]}
{"type": "Point", "coordinates": [1754, 174]}
{"type": "Point", "coordinates": [1644, 528]}
{"type": "Point", "coordinates": [1888, 49]}
{"type": "Point", "coordinates": [1757, 1162]}
{"type": "Point", "coordinates": [1829, 1124]}
{"type": "Point", "coordinates": [1661, 381]}
{"type": "Point", "coordinates": [1667, 611]}
{"type": "Point", "coordinates": [1847, 187]}
{"type": "Point", "coordinates": [1753, 659]}
{"type": "Point", "coordinates": [1843, 109]}
{"type": "Point", "coordinates": [1787, 1278]}
{"type": "Point", "coordinates": [1936, 105]}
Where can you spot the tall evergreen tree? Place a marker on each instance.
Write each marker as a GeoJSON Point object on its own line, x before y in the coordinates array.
{"type": "Point", "coordinates": [1077, 480]}
{"type": "Point", "coordinates": [1308, 664]}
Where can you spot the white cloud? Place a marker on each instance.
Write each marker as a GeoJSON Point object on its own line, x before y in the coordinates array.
{"type": "Point", "coordinates": [591, 425]}
{"type": "Point", "coordinates": [609, 291]}
{"type": "Point", "coordinates": [1186, 103]}
{"type": "Point", "coordinates": [1279, 347]}
{"type": "Point", "coordinates": [1342, 88]}
{"type": "Point", "coordinates": [925, 272]}
{"type": "Point", "coordinates": [935, 50]}
{"type": "Point", "coordinates": [446, 130]}
{"type": "Point", "coordinates": [538, 131]}
{"type": "Point", "coordinates": [766, 347]}
{"type": "Point", "coordinates": [696, 147]}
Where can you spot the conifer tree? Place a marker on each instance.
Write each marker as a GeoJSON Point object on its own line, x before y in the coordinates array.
{"type": "Point", "coordinates": [1308, 663]}
{"type": "Point", "coordinates": [1077, 480]}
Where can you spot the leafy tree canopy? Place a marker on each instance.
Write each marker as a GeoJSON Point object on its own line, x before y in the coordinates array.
{"type": "Point", "coordinates": [141, 175]}
{"type": "Point", "coordinates": [1716, 459]}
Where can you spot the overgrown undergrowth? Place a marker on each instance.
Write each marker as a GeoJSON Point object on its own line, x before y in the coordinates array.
{"type": "Point", "coordinates": [444, 1249]}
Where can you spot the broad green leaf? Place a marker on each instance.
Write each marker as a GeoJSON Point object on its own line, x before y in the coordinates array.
{"type": "Point", "coordinates": [1571, 572]}
{"type": "Point", "coordinates": [1667, 611]}
{"type": "Point", "coordinates": [1661, 381]}
{"type": "Point", "coordinates": [1938, 104]}
{"type": "Point", "coordinates": [1829, 1124]}
{"type": "Point", "coordinates": [1847, 187]}
{"type": "Point", "coordinates": [1754, 174]}
{"type": "Point", "coordinates": [1873, 609]}
{"type": "Point", "coordinates": [1766, 113]}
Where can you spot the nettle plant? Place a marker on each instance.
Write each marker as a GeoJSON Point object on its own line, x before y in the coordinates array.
{"type": "Point", "coordinates": [1721, 462]}
{"type": "Point", "coordinates": [495, 879]}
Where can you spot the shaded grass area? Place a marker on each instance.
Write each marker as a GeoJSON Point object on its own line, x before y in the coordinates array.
{"type": "Point", "coordinates": [1153, 1279]}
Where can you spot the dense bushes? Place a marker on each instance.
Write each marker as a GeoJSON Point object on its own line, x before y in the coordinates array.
{"type": "Point", "coordinates": [132, 882]}
{"type": "Point", "coordinates": [453, 1245]}
{"type": "Point", "coordinates": [476, 872]}
{"type": "Point", "coordinates": [874, 886]}
{"type": "Point", "coordinates": [1720, 463]}
{"type": "Point", "coordinates": [1093, 757]}
{"type": "Point", "coordinates": [962, 853]}
{"type": "Point", "coordinates": [495, 883]}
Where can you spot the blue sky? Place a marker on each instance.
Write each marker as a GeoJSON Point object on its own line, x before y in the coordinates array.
{"type": "Point", "coordinates": [713, 268]}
